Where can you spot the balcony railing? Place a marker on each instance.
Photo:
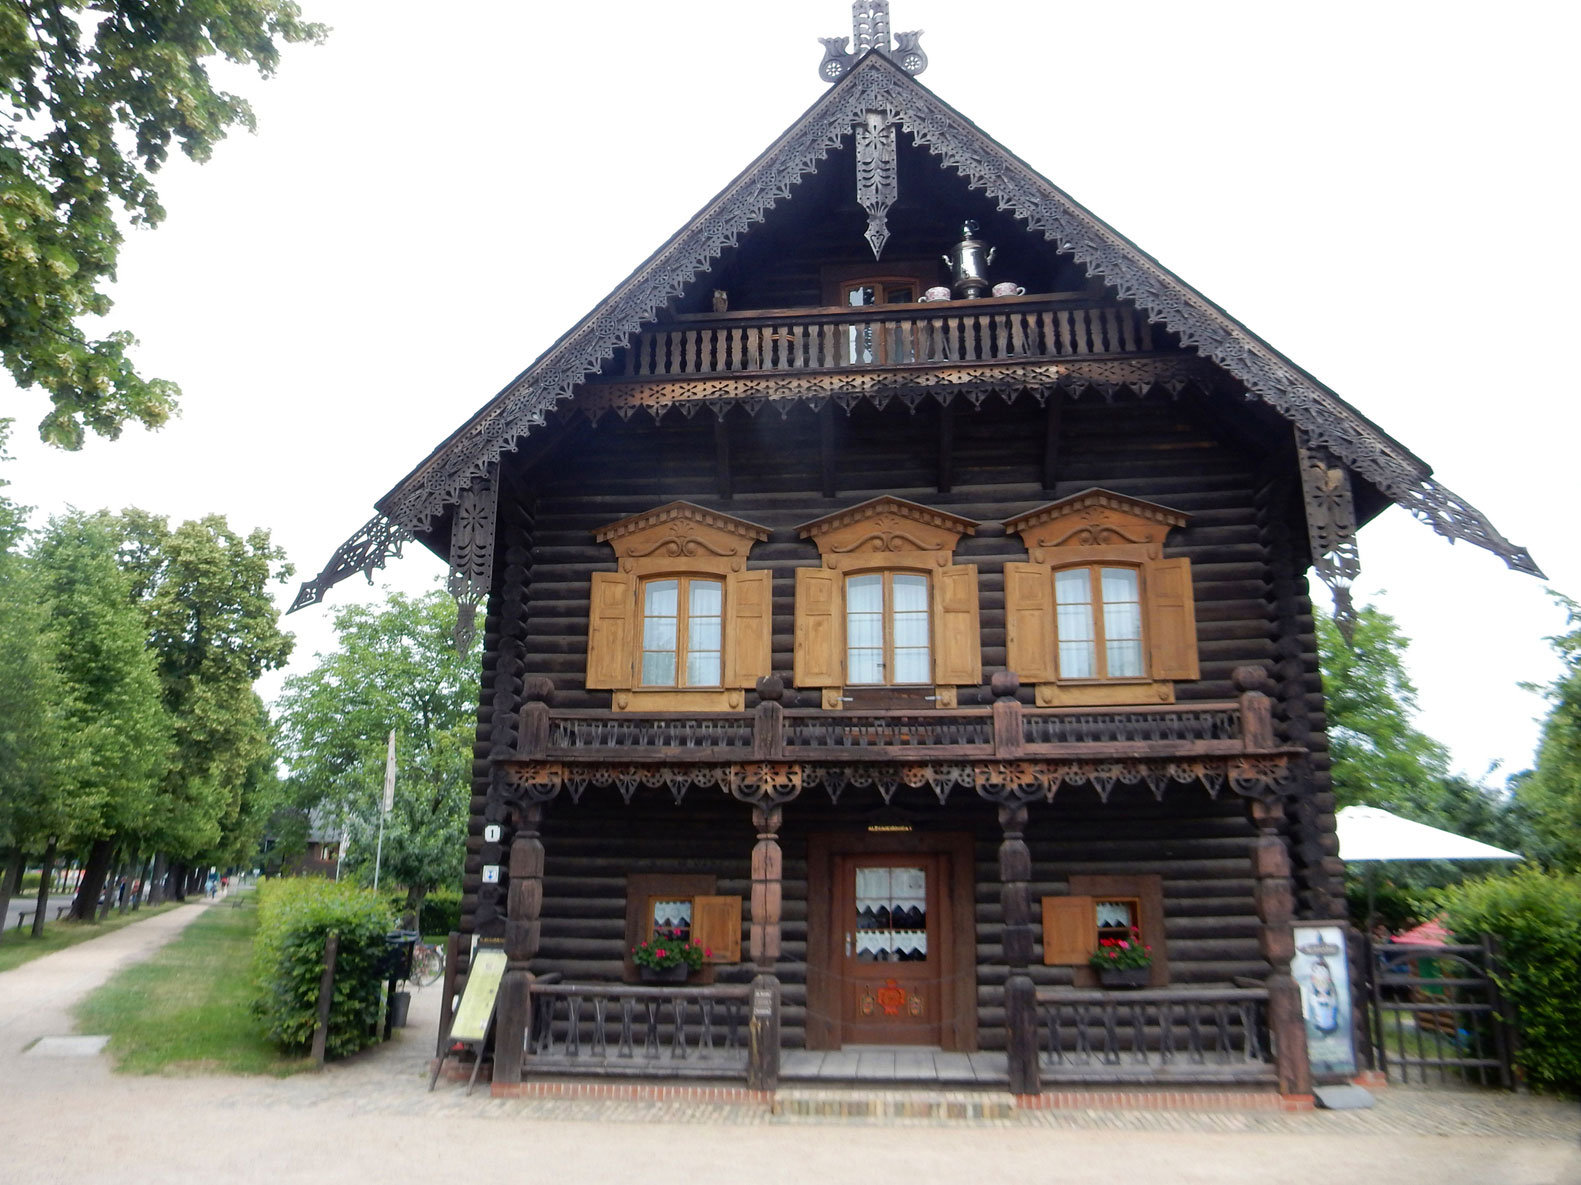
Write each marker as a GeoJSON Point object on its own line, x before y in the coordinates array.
{"type": "Point", "coordinates": [941, 333]}
{"type": "Point", "coordinates": [1005, 730]}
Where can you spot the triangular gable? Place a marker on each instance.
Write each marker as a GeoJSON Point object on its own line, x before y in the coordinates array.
{"type": "Point", "coordinates": [1322, 420]}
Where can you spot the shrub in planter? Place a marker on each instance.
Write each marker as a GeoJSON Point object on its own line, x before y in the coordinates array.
{"type": "Point", "coordinates": [295, 918]}
{"type": "Point", "coordinates": [1537, 918]}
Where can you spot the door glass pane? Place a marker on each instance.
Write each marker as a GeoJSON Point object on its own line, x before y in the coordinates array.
{"type": "Point", "coordinates": [891, 915]}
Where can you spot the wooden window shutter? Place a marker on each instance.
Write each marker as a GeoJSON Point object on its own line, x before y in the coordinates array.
{"type": "Point", "coordinates": [749, 632]}
{"type": "Point", "coordinates": [957, 639]}
{"type": "Point", "coordinates": [819, 629]}
{"type": "Point", "coordinates": [1029, 622]}
{"type": "Point", "coordinates": [1171, 620]}
{"type": "Point", "coordinates": [716, 927]}
{"type": "Point", "coordinates": [1070, 930]}
{"type": "Point", "coordinates": [611, 630]}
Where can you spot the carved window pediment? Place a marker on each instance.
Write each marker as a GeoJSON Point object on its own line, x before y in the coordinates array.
{"type": "Point", "coordinates": [1096, 518]}
{"type": "Point", "coordinates": [887, 532]}
{"type": "Point", "coordinates": [681, 537]}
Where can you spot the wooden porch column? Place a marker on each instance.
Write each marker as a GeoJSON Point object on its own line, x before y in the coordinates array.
{"type": "Point", "coordinates": [763, 1066]}
{"type": "Point", "coordinates": [1021, 1010]}
{"type": "Point", "coordinates": [1275, 899]}
{"type": "Point", "coordinates": [524, 907]}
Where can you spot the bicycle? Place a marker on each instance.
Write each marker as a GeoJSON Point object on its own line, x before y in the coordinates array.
{"type": "Point", "coordinates": [428, 964]}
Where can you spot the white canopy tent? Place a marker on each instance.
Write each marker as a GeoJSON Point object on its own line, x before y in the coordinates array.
{"type": "Point", "coordinates": [1368, 833]}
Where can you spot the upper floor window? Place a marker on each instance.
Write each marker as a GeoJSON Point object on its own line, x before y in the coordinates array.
{"type": "Point", "coordinates": [682, 624]}
{"type": "Point", "coordinates": [682, 647]}
{"type": "Point", "coordinates": [889, 608]}
{"type": "Point", "coordinates": [887, 639]}
{"type": "Point", "coordinates": [1099, 615]}
{"type": "Point", "coordinates": [1098, 621]}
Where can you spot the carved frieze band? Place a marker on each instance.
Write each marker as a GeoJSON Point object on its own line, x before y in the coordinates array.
{"type": "Point", "coordinates": [997, 781]}
{"type": "Point", "coordinates": [472, 557]}
{"type": "Point", "coordinates": [376, 542]}
{"type": "Point", "coordinates": [878, 387]}
{"type": "Point", "coordinates": [875, 84]}
{"type": "Point", "coordinates": [1331, 525]}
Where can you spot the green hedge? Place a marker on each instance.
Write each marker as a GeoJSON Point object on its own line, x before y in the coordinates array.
{"type": "Point", "coordinates": [1537, 918]}
{"type": "Point", "coordinates": [295, 917]}
{"type": "Point", "coordinates": [441, 912]}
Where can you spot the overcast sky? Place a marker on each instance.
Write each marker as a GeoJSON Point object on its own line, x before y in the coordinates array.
{"type": "Point", "coordinates": [1384, 192]}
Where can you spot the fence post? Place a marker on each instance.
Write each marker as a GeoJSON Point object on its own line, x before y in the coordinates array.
{"type": "Point", "coordinates": [326, 995]}
{"type": "Point", "coordinates": [1506, 1035]}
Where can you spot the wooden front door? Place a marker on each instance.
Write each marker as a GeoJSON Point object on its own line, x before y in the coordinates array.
{"type": "Point", "coordinates": [892, 930]}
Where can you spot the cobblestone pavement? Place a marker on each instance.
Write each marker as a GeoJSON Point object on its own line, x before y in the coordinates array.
{"type": "Point", "coordinates": [373, 1118]}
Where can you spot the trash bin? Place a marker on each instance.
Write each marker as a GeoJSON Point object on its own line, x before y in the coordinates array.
{"type": "Point", "coordinates": [400, 1004]}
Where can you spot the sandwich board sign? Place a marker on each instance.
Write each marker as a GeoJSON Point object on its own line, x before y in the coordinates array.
{"type": "Point", "coordinates": [475, 1015]}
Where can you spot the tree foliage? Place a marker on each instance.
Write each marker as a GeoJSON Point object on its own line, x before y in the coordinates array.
{"type": "Point", "coordinates": [1548, 797]}
{"type": "Point", "coordinates": [213, 629]}
{"type": "Point", "coordinates": [395, 667]}
{"type": "Point", "coordinates": [95, 94]}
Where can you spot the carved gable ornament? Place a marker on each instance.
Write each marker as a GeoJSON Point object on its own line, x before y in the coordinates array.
{"type": "Point", "coordinates": [887, 532]}
{"type": "Point", "coordinates": [1097, 518]}
{"type": "Point", "coordinates": [681, 536]}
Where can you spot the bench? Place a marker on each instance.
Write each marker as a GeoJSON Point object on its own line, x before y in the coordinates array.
{"type": "Point", "coordinates": [23, 914]}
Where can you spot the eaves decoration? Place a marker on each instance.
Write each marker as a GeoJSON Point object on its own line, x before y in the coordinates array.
{"type": "Point", "coordinates": [877, 91]}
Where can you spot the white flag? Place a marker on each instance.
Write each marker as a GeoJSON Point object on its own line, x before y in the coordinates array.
{"type": "Point", "coordinates": [389, 775]}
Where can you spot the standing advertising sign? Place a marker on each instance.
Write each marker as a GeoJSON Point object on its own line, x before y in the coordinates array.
{"type": "Point", "coordinates": [1322, 972]}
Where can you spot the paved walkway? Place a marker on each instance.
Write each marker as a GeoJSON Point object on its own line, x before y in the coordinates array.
{"type": "Point", "coordinates": [68, 1118]}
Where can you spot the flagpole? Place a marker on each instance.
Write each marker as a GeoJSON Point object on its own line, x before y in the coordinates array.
{"type": "Point", "coordinates": [385, 804]}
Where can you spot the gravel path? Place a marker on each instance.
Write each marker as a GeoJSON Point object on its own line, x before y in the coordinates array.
{"type": "Point", "coordinates": [64, 1116]}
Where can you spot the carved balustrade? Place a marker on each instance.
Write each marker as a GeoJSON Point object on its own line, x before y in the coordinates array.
{"type": "Point", "coordinates": [943, 333]}
{"type": "Point", "coordinates": [1187, 1033]}
{"type": "Point", "coordinates": [628, 1028]}
{"type": "Point", "coordinates": [945, 733]}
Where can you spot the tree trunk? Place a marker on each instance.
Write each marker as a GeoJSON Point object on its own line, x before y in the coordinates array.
{"type": "Point", "coordinates": [140, 888]}
{"type": "Point", "coordinates": [178, 881]}
{"type": "Point", "coordinates": [9, 880]}
{"type": "Point", "coordinates": [86, 905]}
{"type": "Point", "coordinates": [156, 880]}
{"type": "Point", "coordinates": [47, 868]}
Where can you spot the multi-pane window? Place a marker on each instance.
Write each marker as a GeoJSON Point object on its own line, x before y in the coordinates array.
{"type": "Point", "coordinates": [868, 342]}
{"type": "Point", "coordinates": [1098, 622]}
{"type": "Point", "coordinates": [682, 620]}
{"type": "Point", "coordinates": [887, 629]}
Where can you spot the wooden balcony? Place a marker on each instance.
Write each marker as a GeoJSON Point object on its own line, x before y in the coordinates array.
{"type": "Point", "coordinates": [942, 333]}
{"type": "Point", "coordinates": [1006, 730]}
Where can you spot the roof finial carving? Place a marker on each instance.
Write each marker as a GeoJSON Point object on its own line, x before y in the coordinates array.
{"type": "Point", "coordinates": [870, 31]}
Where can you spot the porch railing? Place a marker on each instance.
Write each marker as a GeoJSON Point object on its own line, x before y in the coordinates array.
{"type": "Point", "coordinates": [949, 332]}
{"type": "Point", "coordinates": [1004, 730]}
{"type": "Point", "coordinates": [632, 1029]}
{"type": "Point", "coordinates": [1176, 1033]}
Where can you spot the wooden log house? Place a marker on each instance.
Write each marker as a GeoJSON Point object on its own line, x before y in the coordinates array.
{"type": "Point", "coordinates": [898, 635]}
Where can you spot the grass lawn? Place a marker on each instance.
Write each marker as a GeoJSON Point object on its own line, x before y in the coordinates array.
{"type": "Point", "coordinates": [187, 1010]}
{"type": "Point", "coordinates": [18, 948]}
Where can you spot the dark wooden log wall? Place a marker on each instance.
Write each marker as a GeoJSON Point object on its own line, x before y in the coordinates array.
{"type": "Point", "coordinates": [1246, 542]}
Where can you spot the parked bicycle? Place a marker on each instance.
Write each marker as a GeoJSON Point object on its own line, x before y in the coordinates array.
{"type": "Point", "coordinates": [428, 963]}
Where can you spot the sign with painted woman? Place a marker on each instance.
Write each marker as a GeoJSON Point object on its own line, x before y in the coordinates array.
{"type": "Point", "coordinates": [1322, 972]}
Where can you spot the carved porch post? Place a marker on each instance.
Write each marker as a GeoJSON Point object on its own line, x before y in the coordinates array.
{"type": "Point", "coordinates": [522, 927]}
{"type": "Point", "coordinates": [763, 1067]}
{"type": "Point", "coordinates": [1021, 1012]}
{"type": "Point", "coordinates": [1275, 907]}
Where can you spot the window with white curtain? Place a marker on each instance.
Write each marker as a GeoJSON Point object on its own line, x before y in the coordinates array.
{"type": "Point", "coordinates": [1098, 623]}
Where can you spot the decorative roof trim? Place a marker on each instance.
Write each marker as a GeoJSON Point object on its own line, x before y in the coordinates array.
{"type": "Point", "coordinates": [876, 84]}
{"type": "Point", "coordinates": [887, 504]}
{"type": "Point", "coordinates": [1107, 499]}
{"type": "Point", "coordinates": [689, 511]}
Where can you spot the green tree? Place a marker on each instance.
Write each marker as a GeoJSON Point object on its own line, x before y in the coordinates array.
{"type": "Point", "coordinates": [395, 667]}
{"type": "Point", "coordinates": [1548, 797]}
{"type": "Point", "coordinates": [95, 94]}
{"type": "Point", "coordinates": [119, 730]}
{"type": "Point", "coordinates": [214, 629]}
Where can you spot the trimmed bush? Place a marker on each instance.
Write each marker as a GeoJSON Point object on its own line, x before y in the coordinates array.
{"type": "Point", "coordinates": [295, 918]}
{"type": "Point", "coordinates": [1537, 918]}
{"type": "Point", "coordinates": [441, 912]}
